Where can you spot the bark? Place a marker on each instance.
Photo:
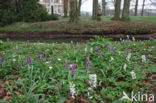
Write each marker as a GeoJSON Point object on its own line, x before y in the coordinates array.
{"type": "Point", "coordinates": [65, 8]}
{"type": "Point", "coordinates": [95, 9]}
{"type": "Point", "coordinates": [125, 13]}
{"type": "Point", "coordinates": [79, 7]}
{"type": "Point", "coordinates": [143, 5]}
{"type": "Point", "coordinates": [73, 11]}
{"type": "Point", "coordinates": [117, 10]}
{"type": "Point", "coordinates": [136, 8]}
{"type": "Point", "coordinates": [104, 7]}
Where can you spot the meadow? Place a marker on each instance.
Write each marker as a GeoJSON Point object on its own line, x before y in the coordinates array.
{"type": "Point", "coordinates": [97, 71]}
{"type": "Point", "coordinates": [138, 25]}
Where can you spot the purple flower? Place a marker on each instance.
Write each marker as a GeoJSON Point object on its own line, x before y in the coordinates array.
{"type": "Point", "coordinates": [127, 53]}
{"type": "Point", "coordinates": [67, 65]}
{"type": "Point", "coordinates": [28, 43]}
{"type": "Point", "coordinates": [7, 40]}
{"type": "Point", "coordinates": [2, 58]}
{"type": "Point", "coordinates": [107, 47]}
{"type": "Point", "coordinates": [87, 41]}
{"type": "Point", "coordinates": [100, 53]}
{"type": "Point", "coordinates": [41, 58]}
{"type": "Point", "coordinates": [97, 48]}
{"type": "Point", "coordinates": [87, 64]}
{"type": "Point", "coordinates": [73, 69]}
{"type": "Point", "coordinates": [29, 61]}
{"type": "Point", "coordinates": [71, 43]}
{"type": "Point", "coordinates": [113, 49]}
{"type": "Point", "coordinates": [21, 66]}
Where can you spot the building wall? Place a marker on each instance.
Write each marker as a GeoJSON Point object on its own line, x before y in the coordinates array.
{"type": "Point", "coordinates": [53, 6]}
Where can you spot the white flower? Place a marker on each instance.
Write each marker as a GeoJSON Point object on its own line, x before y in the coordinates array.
{"type": "Point", "coordinates": [152, 47]}
{"type": "Point", "coordinates": [47, 62]}
{"type": "Point", "coordinates": [59, 59]}
{"type": "Point", "coordinates": [90, 90]}
{"type": "Point", "coordinates": [70, 65]}
{"type": "Point", "coordinates": [72, 89]}
{"type": "Point", "coordinates": [112, 59]}
{"type": "Point", "coordinates": [125, 67]}
{"type": "Point", "coordinates": [86, 50]}
{"type": "Point", "coordinates": [1, 41]}
{"type": "Point", "coordinates": [91, 50]}
{"type": "Point", "coordinates": [13, 60]}
{"type": "Point", "coordinates": [133, 38]}
{"type": "Point", "coordinates": [133, 75]}
{"type": "Point", "coordinates": [92, 80]}
{"type": "Point", "coordinates": [128, 57]}
{"type": "Point", "coordinates": [143, 58]}
{"type": "Point", "coordinates": [50, 67]}
{"type": "Point", "coordinates": [119, 52]}
{"type": "Point", "coordinates": [127, 36]}
{"type": "Point", "coordinates": [120, 39]}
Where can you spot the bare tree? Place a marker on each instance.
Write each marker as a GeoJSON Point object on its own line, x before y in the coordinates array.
{"type": "Point", "coordinates": [73, 11]}
{"type": "Point", "coordinates": [104, 7]}
{"type": "Point", "coordinates": [136, 7]}
{"type": "Point", "coordinates": [125, 13]}
{"type": "Point", "coordinates": [79, 7]}
{"type": "Point", "coordinates": [95, 9]}
{"type": "Point", "coordinates": [66, 8]}
{"type": "Point", "coordinates": [143, 5]}
{"type": "Point", "coordinates": [117, 10]}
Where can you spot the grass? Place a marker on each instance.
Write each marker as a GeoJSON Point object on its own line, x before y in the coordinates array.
{"type": "Point", "coordinates": [47, 79]}
{"type": "Point", "coordinates": [138, 25]}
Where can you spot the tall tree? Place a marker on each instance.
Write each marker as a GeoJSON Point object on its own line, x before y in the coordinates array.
{"type": "Point", "coordinates": [95, 9]}
{"type": "Point", "coordinates": [136, 7]}
{"type": "Point", "coordinates": [79, 7]}
{"type": "Point", "coordinates": [65, 8]}
{"type": "Point", "coordinates": [73, 11]}
{"type": "Point", "coordinates": [143, 5]}
{"type": "Point", "coordinates": [125, 13]}
{"type": "Point", "coordinates": [117, 10]}
{"type": "Point", "coordinates": [104, 7]}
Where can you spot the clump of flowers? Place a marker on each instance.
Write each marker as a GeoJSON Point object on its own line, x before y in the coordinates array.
{"type": "Point", "coordinates": [21, 66]}
{"type": "Point", "coordinates": [125, 67]}
{"type": "Point", "coordinates": [93, 80]}
{"type": "Point", "coordinates": [73, 69]}
{"type": "Point", "coordinates": [29, 61]}
{"type": "Point", "coordinates": [143, 58]}
{"type": "Point", "coordinates": [67, 65]}
{"type": "Point", "coordinates": [41, 58]}
{"type": "Point", "coordinates": [128, 56]}
{"type": "Point", "coordinates": [133, 75]}
{"type": "Point", "coordinates": [87, 64]}
{"type": "Point", "coordinates": [72, 89]}
{"type": "Point", "coordinates": [2, 60]}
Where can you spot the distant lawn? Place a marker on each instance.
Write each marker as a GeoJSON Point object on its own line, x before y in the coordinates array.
{"type": "Point", "coordinates": [138, 25]}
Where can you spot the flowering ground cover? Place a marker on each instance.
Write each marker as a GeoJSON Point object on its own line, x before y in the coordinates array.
{"type": "Point", "coordinates": [98, 71]}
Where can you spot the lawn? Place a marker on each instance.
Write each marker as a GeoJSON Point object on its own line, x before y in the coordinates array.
{"type": "Point", "coordinates": [138, 25]}
{"type": "Point", "coordinates": [98, 71]}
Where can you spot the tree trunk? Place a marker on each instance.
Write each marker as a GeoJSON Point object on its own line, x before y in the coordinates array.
{"type": "Point", "coordinates": [73, 11]}
{"type": "Point", "coordinates": [104, 7]}
{"type": "Point", "coordinates": [117, 10]}
{"type": "Point", "coordinates": [79, 7]}
{"type": "Point", "coordinates": [136, 8]}
{"type": "Point", "coordinates": [143, 5]}
{"type": "Point", "coordinates": [125, 13]}
{"type": "Point", "coordinates": [65, 8]}
{"type": "Point", "coordinates": [95, 9]}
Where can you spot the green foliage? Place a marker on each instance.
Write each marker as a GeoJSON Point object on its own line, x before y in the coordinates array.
{"type": "Point", "coordinates": [42, 84]}
{"type": "Point", "coordinates": [30, 11]}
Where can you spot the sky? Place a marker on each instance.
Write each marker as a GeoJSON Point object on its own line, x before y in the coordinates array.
{"type": "Point", "coordinates": [87, 5]}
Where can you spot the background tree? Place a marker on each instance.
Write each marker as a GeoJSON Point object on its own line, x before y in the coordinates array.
{"type": "Point", "coordinates": [117, 10]}
{"type": "Point", "coordinates": [125, 13]}
{"type": "Point", "coordinates": [66, 8]}
{"type": "Point", "coordinates": [95, 10]}
{"type": "Point", "coordinates": [79, 7]}
{"type": "Point", "coordinates": [104, 7]}
{"type": "Point", "coordinates": [73, 11]}
{"type": "Point", "coordinates": [136, 7]}
{"type": "Point", "coordinates": [143, 5]}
